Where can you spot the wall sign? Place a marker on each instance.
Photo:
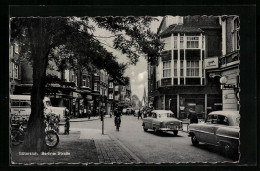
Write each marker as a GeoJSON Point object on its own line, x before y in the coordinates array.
{"type": "Point", "coordinates": [211, 63]}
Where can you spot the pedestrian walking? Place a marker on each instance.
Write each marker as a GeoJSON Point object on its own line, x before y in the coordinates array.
{"type": "Point", "coordinates": [67, 126]}
{"type": "Point", "coordinates": [111, 113]}
{"type": "Point", "coordinates": [89, 113]}
{"type": "Point", "coordinates": [139, 114]}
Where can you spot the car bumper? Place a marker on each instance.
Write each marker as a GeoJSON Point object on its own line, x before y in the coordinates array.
{"type": "Point", "coordinates": [170, 129]}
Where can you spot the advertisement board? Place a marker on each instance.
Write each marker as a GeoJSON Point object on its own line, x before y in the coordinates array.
{"type": "Point", "coordinates": [211, 63]}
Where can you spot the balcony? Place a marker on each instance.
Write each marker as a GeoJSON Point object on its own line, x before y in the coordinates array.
{"type": "Point", "coordinates": [230, 59]}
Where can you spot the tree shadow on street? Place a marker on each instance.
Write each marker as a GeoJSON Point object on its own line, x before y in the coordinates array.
{"type": "Point", "coordinates": [216, 150]}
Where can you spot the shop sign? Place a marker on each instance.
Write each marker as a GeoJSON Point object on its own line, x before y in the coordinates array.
{"type": "Point", "coordinates": [76, 95]}
{"type": "Point", "coordinates": [211, 63]}
{"type": "Point", "coordinates": [89, 97]}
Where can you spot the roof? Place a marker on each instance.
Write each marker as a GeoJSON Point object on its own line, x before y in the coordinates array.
{"type": "Point", "coordinates": [162, 111]}
{"type": "Point", "coordinates": [181, 29]}
{"type": "Point", "coordinates": [226, 112]}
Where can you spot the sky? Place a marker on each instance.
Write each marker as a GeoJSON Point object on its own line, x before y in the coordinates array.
{"type": "Point", "coordinates": [137, 73]}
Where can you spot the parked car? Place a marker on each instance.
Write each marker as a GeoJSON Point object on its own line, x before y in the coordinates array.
{"type": "Point", "coordinates": [221, 128]}
{"type": "Point", "coordinates": [162, 120]}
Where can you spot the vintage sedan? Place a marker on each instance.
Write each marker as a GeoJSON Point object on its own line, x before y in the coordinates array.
{"type": "Point", "coordinates": [221, 128]}
{"type": "Point", "coordinates": [162, 120]}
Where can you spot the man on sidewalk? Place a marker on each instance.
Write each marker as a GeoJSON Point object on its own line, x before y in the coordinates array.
{"type": "Point", "coordinates": [139, 114]}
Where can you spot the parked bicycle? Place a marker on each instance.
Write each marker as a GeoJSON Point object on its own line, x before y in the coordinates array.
{"type": "Point", "coordinates": [19, 128]}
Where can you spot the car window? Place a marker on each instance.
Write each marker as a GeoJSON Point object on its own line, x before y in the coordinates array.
{"type": "Point", "coordinates": [166, 115]}
{"type": "Point", "coordinates": [154, 115]}
{"type": "Point", "coordinates": [223, 120]}
{"type": "Point", "coordinates": [212, 119]}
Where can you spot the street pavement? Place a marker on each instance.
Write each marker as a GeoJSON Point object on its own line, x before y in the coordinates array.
{"type": "Point", "coordinates": [149, 147]}
{"type": "Point", "coordinates": [87, 145]}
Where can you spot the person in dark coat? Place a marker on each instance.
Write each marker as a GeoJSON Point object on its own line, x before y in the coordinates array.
{"type": "Point", "coordinates": [193, 117]}
{"type": "Point", "coordinates": [67, 126]}
{"type": "Point", "coordinates": [139, 114]}
{"type": "Point", "coordinates": [117, 114]}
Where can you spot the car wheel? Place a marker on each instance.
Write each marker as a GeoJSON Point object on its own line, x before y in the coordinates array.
{"type": "Point", "coordinates": [175, 132]}
{"type": "Point", "coordinates": [155, 131]}
{"type": "Point", "coordinates": [229, 151]}
{"type": "Point", "coordinates": [194, 140]}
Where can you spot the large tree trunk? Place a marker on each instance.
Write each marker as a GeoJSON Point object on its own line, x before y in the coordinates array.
{"type": "Point", "coordinates": [35, 136]}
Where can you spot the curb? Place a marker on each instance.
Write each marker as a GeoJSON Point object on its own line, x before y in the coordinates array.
{"type": "Point", "coordinates": [83, 120]}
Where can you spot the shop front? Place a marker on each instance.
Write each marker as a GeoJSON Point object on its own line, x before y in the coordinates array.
{"type": "Point", "coordinates": [183, 101]}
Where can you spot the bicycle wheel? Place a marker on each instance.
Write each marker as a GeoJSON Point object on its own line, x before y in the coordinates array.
{"type": "Point", "coordinates": [15, 137]}
{"type": "Point", "coordinates": [51, 139]}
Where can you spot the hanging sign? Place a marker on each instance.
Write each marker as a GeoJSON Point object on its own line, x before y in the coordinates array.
{"type": "Point", "coordinates": [211, 63]}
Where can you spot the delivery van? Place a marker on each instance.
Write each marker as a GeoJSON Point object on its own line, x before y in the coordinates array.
{"type": "Point", "coordinates": [20, 105]}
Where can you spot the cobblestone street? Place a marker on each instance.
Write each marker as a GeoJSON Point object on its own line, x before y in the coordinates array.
{"type": "Point", "coordinates": [109, 151]}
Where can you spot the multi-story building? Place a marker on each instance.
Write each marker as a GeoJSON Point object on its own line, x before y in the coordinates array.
{"type": "Point", "coordinates": [182, 83]}
{"type": "Point", "coordinates": [100, 91]}
{"type": "Point", "coordinates": [228, 71]}
{"type": "Point", "coordinates": [14, 68]}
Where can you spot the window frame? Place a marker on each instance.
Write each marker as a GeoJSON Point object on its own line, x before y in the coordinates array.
{"type": "Point", "coordinates": [192, 68]}
{"type": "Point", "coordinates": [167, 69]}
{"type": "Point", "coordinates": [192, 41]}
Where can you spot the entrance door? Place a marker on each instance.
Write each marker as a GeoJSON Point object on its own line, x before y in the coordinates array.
{"type": "Point", "coordinates": [173, 106]}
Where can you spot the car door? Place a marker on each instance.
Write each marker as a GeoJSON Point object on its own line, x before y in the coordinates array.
{"type": "Point", "coordinates": [154, 120]}
{"type": "Point", "coordinates": [208, 130]}
{"type": "Point", "coordinates": [148, 122]}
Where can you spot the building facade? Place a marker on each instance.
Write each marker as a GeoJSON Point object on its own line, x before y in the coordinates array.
{"type": "Point", "coordinates": [228, 71]}
{"type": "Point", "coordinates": [14, 67]}
{"type": "Point", "coordinates": [181, 81]}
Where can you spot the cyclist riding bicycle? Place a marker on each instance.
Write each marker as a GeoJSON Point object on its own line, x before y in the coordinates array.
{"type": "Point", "coordinates": [117, 115]}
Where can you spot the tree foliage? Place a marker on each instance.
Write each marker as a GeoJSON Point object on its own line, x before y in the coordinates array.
{"type": "Point", "coordinates": [70, 43]}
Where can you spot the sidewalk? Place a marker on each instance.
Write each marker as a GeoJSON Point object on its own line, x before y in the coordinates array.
{"type": "Point", "coordinates": [81, 146]}
{"type": "Point", "coordinates": [86, 119]}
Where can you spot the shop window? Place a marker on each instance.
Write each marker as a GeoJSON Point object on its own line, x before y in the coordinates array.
{"type": "Point", "coordinates": [192, 68]}
{"type": "Point", "coordinates": [193, 42]}
{"type": "Point", "coordinates": [167, 69]}
{"type": "Point", "coordinates": [192, 81]}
